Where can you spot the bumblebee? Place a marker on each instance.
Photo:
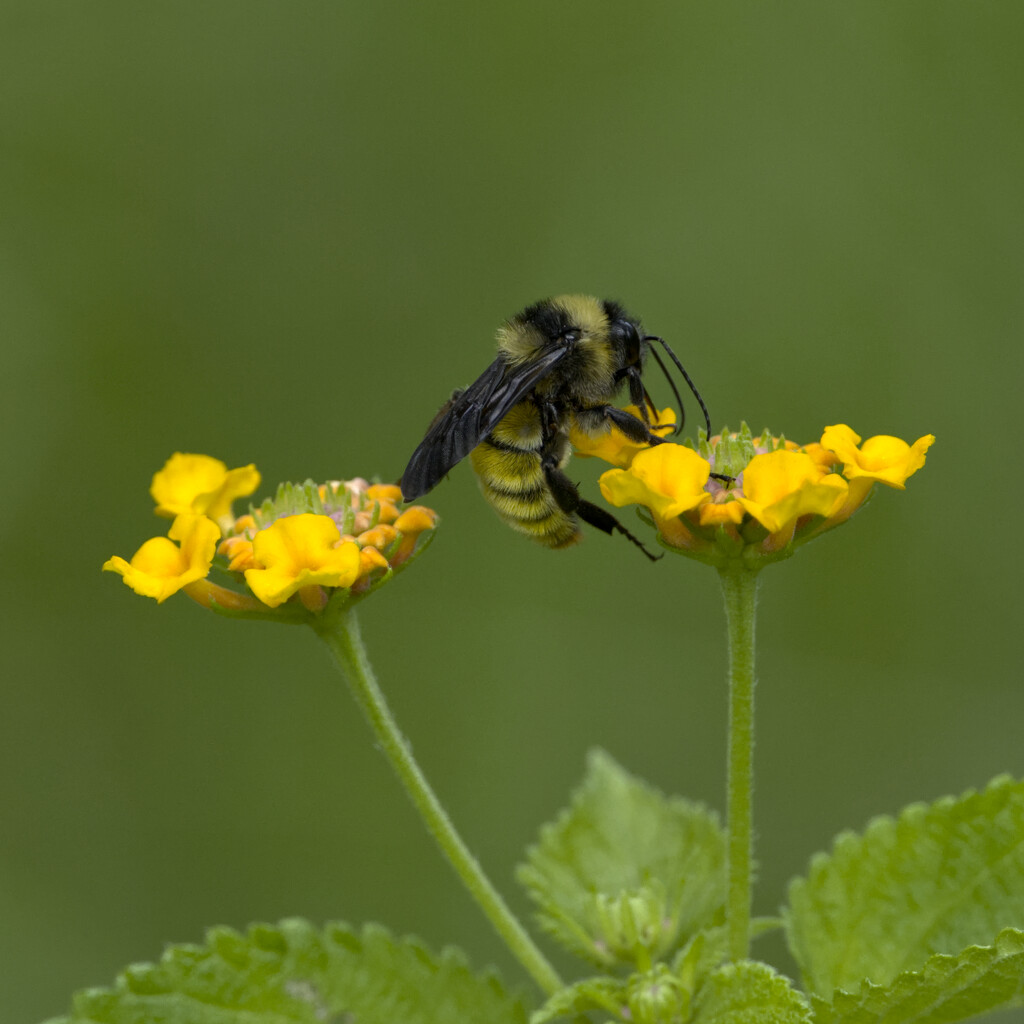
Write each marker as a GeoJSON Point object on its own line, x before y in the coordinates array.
{"type": "Point", "coordinates": [561, 362]}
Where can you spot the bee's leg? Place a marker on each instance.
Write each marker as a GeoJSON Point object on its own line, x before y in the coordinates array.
{"type": "Point", "coordinates": [568, 499]}
{"type": "Point", "coordinates": [638, 395]}
{"type": "Point", "coordinates": [635, 429]}
{"type": "Point", "coordinates": [637, 392]}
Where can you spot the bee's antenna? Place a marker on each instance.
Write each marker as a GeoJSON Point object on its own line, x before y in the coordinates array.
{"type": "Point", "coordinates": [686, 377]}
{"type": "Point", "coordinates": [672, 385]}
{"type": "Point", "coordinates": [649, 405]}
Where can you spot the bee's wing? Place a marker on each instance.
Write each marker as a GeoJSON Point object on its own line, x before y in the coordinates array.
{"type": "Point", "coordinates": [470, 416]}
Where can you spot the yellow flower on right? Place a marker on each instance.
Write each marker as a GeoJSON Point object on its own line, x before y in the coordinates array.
{"type": "Point", "coordinates": [757, 498]}
{"type": "Point", "coordinates": [883, 458]}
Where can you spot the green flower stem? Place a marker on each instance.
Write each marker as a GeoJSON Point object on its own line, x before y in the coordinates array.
{"type": "Point", "coordinates": [339, 628]}
{"type": "Point", "coordinates": [739, 587]}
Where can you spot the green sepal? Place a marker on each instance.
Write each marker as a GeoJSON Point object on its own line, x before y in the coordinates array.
{"type": "Point", "coordinates": [731, 454]}
{"type": "Point", "coordinates": [294, 973]}
{"type": "Point", "coordinates": [293, 499]}
{"type": "Point", "coordinates": [938, 879]}
{"type": "Point", "coordinates": [946, 989]}
{"type": "Point", "coordinates": [626, 875]}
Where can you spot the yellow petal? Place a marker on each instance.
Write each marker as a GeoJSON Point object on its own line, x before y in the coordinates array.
{"type": "Point", "coordinates": [676, 472]}
{"type": "Point", "coordinates": [239, 483]}
{"type": "Point", "coordinates": [613, 446]}
{"type": "Point", "coordinates": [300, 551]}
{"type": "Point", "coordinates": [416, 519]}
{"type": "Point", "coordinates": [669, 479]}
{"type": "Point", "coordinates": [842, 440]}
{"type": "Point", "coordinates": [889, 460]}
{"type": "Point", "coordinates": [370, 560]}
{"type": "Point", "coordinates": [718, 513]}
{"type": "Point", "coordinates": [161, 568]}
{"type": "Point", "coordinates": [200, 484]}
{"type": "Point", "coordinates": [781, 486]}
{"type": "Point", "coordinates": [238, 551]}
{"type": "Point", "coordinates": [857, 492]}
{"type": "Point", "coordinates": [822, 457]}
{"type": "Point", "coordinates": [387, 511]}
{"type": "Point", "coordinates": [384, 492]}
{"type": "Point", "coordinates": [620, 488]}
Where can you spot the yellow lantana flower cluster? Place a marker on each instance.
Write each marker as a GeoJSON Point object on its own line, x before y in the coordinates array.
{"type": "Point", "coordinates": [752, 498]}
{"type": "Point", "coordinates": [306, 543]}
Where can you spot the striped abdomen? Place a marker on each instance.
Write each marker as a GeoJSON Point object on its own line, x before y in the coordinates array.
{"type": "Point", "coordinates": [508, 465]}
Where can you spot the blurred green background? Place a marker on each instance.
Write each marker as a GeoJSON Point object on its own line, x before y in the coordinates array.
{"type": "Point", "coordinates": [283, 233]}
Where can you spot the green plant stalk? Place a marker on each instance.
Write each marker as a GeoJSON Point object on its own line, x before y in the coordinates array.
{"type": "Point", "coordinates": [739, 587]}
{"type": "Point", "coordinates": [339, 629]}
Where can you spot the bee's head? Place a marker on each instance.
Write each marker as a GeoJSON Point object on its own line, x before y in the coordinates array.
{"type": "Point", "coordinates": [632, 345]}
{"type": "Point", "coordinates": [627, 336]}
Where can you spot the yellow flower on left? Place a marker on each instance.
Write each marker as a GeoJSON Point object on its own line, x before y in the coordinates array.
{"type": "Point", "coordinates": [301, 551]}
{"type": "Point", "coordinates": [161, 568]}
{"type": "Point", "coordinates": [202, 484]}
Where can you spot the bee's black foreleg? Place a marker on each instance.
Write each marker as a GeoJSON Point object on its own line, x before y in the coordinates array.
{"type": "Point", "coordinates": [568, 499]}
{"type": "Point", "coordinates": [635, 429]}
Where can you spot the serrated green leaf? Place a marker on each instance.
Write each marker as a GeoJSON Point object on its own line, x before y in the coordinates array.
{"type": "Point", "coordinates": [947, 989]}
{"type": "Point", "coordinates": [938, 879]}
{"type": "Point", "coordinates": [626, 867]}
{"type": "Point", "coordinates": [296, 974]}
{"type": "Point", "coordinates": [749, 992]}
{"type": "Point", "coordinates": [602, 993]}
